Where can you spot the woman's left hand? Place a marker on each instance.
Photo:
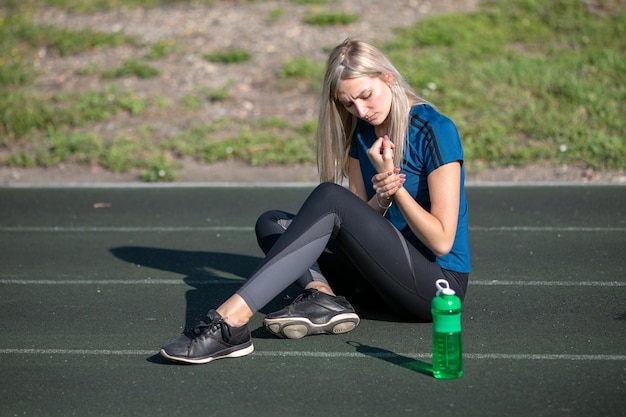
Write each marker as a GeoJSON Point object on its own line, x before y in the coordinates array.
{"type": "Point", "coordinates": [387, 183]}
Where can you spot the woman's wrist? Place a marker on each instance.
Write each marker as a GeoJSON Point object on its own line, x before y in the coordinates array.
{"type": "Point", "coordinates": [385, 203]}
{"type": "Point", "coordinates": [384, 208]}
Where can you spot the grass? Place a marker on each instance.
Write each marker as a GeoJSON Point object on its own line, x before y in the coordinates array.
{"type": "Point", "coordinates": [526, 82]}
{"type": "Point", "coordinates": [161, 48]}
{"type": "Point", "coordinates": [23, 36]}
{"type": "Point", "coordinates": [132, 67]}
{"type": "Point", "coordinates": [329, 18]}
{"type": "Point", "coordinates": [270, 141]}
{"type": "Point", "coordinates": [302, 68]}
{"type": "Point", "coordinates": [230, 56]}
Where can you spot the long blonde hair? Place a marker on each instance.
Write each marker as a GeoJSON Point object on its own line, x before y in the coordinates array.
{"type": "Point", "coordinates": [354, 58]}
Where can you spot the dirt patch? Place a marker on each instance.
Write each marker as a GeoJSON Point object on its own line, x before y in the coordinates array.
{"type": "Point", "coordinates": [272, 31]}
{"type": "Point", "coordinates": [238, 172]}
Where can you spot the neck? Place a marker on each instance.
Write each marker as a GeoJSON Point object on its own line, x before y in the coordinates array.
{"type": "Point", "coordinates": [382, 130]}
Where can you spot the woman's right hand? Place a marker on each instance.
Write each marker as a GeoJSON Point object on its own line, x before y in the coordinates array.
{"type": "Point", "coordinates": [381, 154]}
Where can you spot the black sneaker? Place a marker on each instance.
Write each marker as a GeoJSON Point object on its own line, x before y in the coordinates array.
{"type": "Point", "coordinates": [312, 312]}
{"type": "Point", "coordinates": [210, 339]}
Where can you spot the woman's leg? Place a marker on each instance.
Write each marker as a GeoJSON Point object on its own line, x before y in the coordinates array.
{"type": "Point", "coordinates": [346, 279]}
{"type": "Point", "coordinates": [376, 249]}
{"type": "Point", "coordinates": [396, 270]}
{"type": "Point", "coordinates": [269, 227]}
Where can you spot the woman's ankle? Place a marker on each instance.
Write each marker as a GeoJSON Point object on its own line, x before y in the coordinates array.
{"type": "Point", "coordinates": [320, 286]}
{"type": "Point", "coordinates": [235, 311]}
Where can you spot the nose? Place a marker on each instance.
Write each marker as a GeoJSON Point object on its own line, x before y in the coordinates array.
{"type": "Point", "coordinates": [360, 109]}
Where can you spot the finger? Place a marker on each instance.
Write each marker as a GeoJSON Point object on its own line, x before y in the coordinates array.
{"type": "Point", "coordinates": [387, 141]}
{"type": "Point", "coordinates": [393, 145]}
{"type": "Point", "coordinates": [377, 146]}
{"type": "Point", "coordinates": [394, 184]}
{"type": "Point", "coordinates": [378, 178]}
{"type": "Point", "coordinates": [387, 148]}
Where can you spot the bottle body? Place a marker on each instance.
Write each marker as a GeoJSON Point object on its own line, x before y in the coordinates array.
{"type": "Point", "coordinates": [447, 355]}
{"type": "Point", "coordinates": [447, 336]}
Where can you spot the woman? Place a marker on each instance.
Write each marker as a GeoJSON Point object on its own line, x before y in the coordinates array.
{"type": "Point", "coordinates": [382, 243]}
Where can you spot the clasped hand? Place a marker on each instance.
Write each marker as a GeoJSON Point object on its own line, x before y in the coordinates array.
{"type": "Point", "coordinates": [388, 180]}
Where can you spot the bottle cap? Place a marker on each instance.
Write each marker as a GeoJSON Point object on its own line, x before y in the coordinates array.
{"type": "Point", "coordinates": [446, 309]}
{"type": "Point", "coordinates": [443, 287]}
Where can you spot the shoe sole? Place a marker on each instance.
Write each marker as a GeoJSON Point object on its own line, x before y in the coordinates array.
{"type": "Point", "coordinates": [299, 327]}
{"type": "Point", "coordinates": [235, 354]}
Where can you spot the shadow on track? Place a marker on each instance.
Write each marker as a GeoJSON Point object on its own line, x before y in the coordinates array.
{"type": "Point", "coordinates": [394, 358]}
{"type": "Point", "coordinates": [214, 276]}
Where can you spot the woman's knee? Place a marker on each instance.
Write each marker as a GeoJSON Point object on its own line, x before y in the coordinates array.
{"type": "Point", "coordinates": [269, 226]}
{"type": "Point", "coordinates": [269, 217]}
{"type": "Point", "coordinates": [328, 189]}
{"type": "Point", "coordinates": [335, 195]}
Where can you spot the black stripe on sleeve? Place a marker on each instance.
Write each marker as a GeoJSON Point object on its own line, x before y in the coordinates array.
{"type": "Point", "coordinates": [431, 139]}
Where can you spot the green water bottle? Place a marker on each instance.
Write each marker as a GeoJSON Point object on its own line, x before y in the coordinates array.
{"type": "Point", "coordinates": [447, 341]}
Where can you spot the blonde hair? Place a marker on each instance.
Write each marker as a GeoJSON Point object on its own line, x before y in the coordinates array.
{"type": "Point", "coordinates": [352, 59]}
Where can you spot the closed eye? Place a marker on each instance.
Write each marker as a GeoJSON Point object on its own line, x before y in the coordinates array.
{"type": "Point", "coordinates": [365, 97]}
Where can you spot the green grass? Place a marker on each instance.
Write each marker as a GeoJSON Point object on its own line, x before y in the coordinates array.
{"type": "Point", "coordinates": [23, 112]}
{"type": "Point", "coordinates": [132, 67]}
{"type": "Point", "coordinates": [302, 68]}
{"type": "Point", "coordinates": [311, 2]}
{"type": "Point", "coordinates": [17, 32]}
{"type": "Point", "coordinates": [230, 56]}
{"type": "Point", "coordinates": [161, 49]}
{"type": "Point", "coordinates": [270, 141]}
{"type": "Point", "coordinates": [329, 18]}
{"type": "Point", "coordinates": [526, 82]}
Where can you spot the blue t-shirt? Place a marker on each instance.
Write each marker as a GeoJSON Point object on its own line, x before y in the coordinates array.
{"type": "Point", "coordinates": [433, 141]}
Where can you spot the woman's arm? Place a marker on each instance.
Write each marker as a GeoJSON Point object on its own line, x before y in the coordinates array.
{"type": "Point", "coordinates": [355, 179]}
{"type": "Point", "coordinates": [437, 228]}
{"type": "Point", "coordinates": [357, 186]}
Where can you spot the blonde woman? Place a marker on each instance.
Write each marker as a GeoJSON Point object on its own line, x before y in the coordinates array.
{"type": "Point", "coordinates": [380, 243]}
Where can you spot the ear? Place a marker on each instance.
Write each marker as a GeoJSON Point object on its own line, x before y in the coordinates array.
{"type": "Point", "coordinates": [388, 78]}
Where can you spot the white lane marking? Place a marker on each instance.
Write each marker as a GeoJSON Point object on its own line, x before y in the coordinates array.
{"type": "Point", "coordinates": [10, 281]}
{"type": "Point", "coordinates": [546, 229]}
{"type": "Point", "coordinates": [62, 229]}
{"type": "Point", "coordinates": [376, 354]}
{"type": "Point", "coordinates": [549, 283]}
{"type": "Point", "coordinates": [14, 281]}
{"type": "Point", "coordinates": [175, 229]}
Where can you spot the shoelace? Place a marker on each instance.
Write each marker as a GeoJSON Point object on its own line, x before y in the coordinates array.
{"type": "Point", "coordinates": [301, 297]}
{"type": "Point", "coordinates": [203, 328]}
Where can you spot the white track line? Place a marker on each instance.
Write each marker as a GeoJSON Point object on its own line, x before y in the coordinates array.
{"type": "Point", "coordinates": [549, 283]}
{"type": "Point", "coordinates": [175, 185]}
{"type": "Point", "coordinates": [382, 355]}
{"type": "Point", "coordinates": [61, 229]}
{"type": "Point", "coordinates": [175, 229]}
{"type": "Point", "coordinates": [304, 184]}
{"type": "Point", "coordinates": [545, 229]}
{"type": "Point", "coordinates": [10, 281]}
{"type": "Point", "coordinates": [14, 281]}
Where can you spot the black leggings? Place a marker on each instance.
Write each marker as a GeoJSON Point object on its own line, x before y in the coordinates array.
{"type": "Point", "coordinates": [359, 252]}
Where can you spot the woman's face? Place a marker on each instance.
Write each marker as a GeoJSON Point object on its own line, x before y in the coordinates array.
{"type": "Point", "coordinates": [368, 98]}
